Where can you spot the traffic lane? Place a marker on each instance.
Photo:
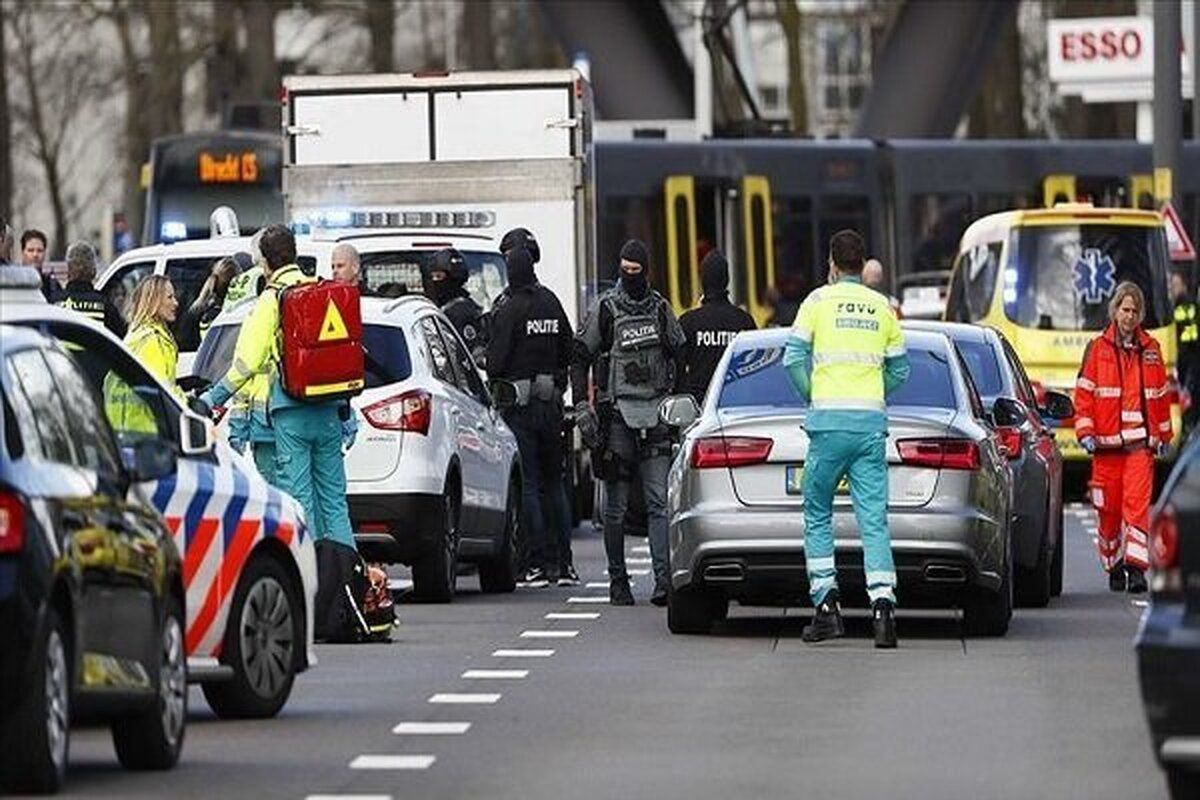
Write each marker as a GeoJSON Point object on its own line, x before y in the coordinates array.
{"type": "Point", "coordinates": [344, 706]}
{"type": "Point", "coordinates": [625, 709]}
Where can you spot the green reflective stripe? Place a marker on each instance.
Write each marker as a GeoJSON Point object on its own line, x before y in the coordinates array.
{"type": "Point", "coordinates": [848, 404]}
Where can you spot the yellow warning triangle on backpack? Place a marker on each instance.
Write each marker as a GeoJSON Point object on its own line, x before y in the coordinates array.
{"type": "Point", "coordinates": [333, 327]}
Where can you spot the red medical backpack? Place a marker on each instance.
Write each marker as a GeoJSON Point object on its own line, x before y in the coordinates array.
{"type": "Point", "coordinates": [321, 334]}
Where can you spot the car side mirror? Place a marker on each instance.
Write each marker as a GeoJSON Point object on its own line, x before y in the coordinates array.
{"type": "Point", "coordinates": [679, 410]}
{"type": "Point", "coordinates": [196, 435]}
{"type": "Point", "coordinates": [151, 460]}
{"type": "Point", "coordinates": [1008, 413]}
{"type": "Point", "coordinates": [504, 393]}
{"type": "Point", "coordinates": [1057, 406]}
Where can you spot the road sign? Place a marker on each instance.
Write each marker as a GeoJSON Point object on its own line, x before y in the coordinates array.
{"type": "Point", "coordinates": [1178, 242]}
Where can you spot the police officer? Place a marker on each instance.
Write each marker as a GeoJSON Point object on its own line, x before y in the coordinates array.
{"type": "Point", "coordinates": [632, 339]}
{"type": "Point", "coordinates": [846, 352]}
{"type": "Point", "coordinates": [710, 327]}
{"type": "Point", "coordinates": [80, 294]}
{"type": "Point", "coordinates": [530, 346]}
{"type": "Point", "coordinates": [445, 279]}
{"type": "Point", "coordinates": [1187, 338]}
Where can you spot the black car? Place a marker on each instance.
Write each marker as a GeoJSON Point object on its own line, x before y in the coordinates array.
{"type": "Point", "coordinates": [91, 590]}
{"type": "Point", "coordinates": [1168, 641]}
{"type": "Point", "coordinates": [1034, 457]}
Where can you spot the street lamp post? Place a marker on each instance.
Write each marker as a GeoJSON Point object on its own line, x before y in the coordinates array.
{"type": "Point", "coordinates": [1168, 112]}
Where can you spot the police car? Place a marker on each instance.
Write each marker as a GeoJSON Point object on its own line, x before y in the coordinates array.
{"type": "Point", "coordinates": [249, 564]}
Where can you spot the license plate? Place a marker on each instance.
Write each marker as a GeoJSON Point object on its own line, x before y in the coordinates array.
{"type": "Point", "coordinates": [794, 481]}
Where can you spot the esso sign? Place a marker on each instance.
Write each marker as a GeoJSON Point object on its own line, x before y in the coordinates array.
{"type": "Point", "coordinates": [1101, 49]}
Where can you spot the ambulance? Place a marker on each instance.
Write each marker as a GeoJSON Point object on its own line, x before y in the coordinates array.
{"type": "Point", "coordinates": [1044, 278]}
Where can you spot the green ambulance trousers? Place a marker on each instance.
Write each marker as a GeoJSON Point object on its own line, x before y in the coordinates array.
{"type": "Point", "coordinates": [310, 467]}
{"type": "Point", "coordinates": [833, 455]}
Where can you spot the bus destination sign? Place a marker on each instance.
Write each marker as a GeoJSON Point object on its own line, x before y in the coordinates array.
{"type": "Point", "coordinates": [228, 167]}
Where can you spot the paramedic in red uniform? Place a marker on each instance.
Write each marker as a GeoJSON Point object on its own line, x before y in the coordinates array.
{"type": "Point", "coordinates": [1123, 418]}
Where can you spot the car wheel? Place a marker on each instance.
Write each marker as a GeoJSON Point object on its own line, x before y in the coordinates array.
{"type": "Point", "coordinates": [435, 575]}
{"type": "Point", "coordinates": [1183, 784]}
{"type": "Point", "coordinates": [692, 610]}
{"type": "Point", "coordinates": [988, 613]}
{"type": "Point", "coordinates": [261, 641]}
{"type": "Point", "coordinates": [1056, 563]}
{"type": "Point", "coordinates": [35, 738]}
{"type": "Point", "coordinates": [153, 740]}
{"type": "Point", "coordinates": [1034, 586]}
{"type": "Point", "coordinates": [499, 573]}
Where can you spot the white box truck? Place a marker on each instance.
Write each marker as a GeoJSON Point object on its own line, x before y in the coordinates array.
{"type": "Point", "coordinates": [401, 165]}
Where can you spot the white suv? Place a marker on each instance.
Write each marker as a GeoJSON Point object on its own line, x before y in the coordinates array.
{"type": "Point", "coordinates": [433, 476]}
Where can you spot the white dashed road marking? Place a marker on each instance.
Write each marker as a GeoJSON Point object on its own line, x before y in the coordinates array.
{"type": "Point", "coordinates": [522, 653]}
{"type": "Point", "coordinates": [393, 762]}
{"type": "Point", "coordinates": [431, 728]}
{"type": "Point", "coordinates": [348, 797]}
{"type": "Point", "coordinates": [465, 699]}
{"type": "Point", "coordinates": [638, 561]}
{"type": "Point", "coordinates": [587, 600]}
{"type": "Point", "coordinates": [549, 634]}
{"type": "Point", "coordinates": [495, 674]}
{"type": "Point", "coordinates": [597, 585]}
{"type": "Point", "coordinates": [641, 548]}
{"type": "Point", "coordinates": [639, 571]}
{"type": "Point", "coordinates": [573, 615]}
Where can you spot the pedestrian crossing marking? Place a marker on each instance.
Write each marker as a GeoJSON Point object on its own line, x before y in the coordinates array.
{"type": "Point", "coordinates": [333, 328]}
{"type": "Point", "coordinates": [519, 653]}
{"type": "Point", "coordinates": [431, 728]}
{"type": "Point", "coordinates": [587, 599]}
{"type": "Point", "coordinates": [549, 634]}
{"type": "Point", "coordinates": [495, 674]}
{"type": "Point", "coordinates": [393, 762]}
{"type": "Point", "coordinates": [573, 615]}
{"type": "Point", "coordinates": [465, 699]}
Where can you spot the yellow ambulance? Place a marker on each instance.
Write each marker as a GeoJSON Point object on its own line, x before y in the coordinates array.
{"type": "Point", "coordinates": [1044, 277]}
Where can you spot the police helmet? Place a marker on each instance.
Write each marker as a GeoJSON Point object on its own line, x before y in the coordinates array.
{"type": "Point", "coordinates": [452, 263]}
{"type": "Point", "coordinates": [521, 237]}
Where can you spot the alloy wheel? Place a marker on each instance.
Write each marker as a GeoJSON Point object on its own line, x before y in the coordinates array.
{"type": "Point", "coordinates": [267, 636]}
{"type": "Point", "coordinates": [172, 683]}
{"type": "Point", "coordinates": [57, 699]}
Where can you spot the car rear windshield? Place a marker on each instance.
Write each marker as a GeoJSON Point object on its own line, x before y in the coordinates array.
{"type": "Point", "coordinates": [983, 366]}
{"type": "Point", "coordinates": [1062, 276]}
{"type": "Point", "coordinates": [394, 272]}
{"type": "Point", "coordinates": [387, 359]}
{"type": "Point", "coordinates": [756, 377]}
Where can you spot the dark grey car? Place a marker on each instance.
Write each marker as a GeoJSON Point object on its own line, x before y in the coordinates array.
{"type": "Point", "coordinates": [737, 514]}
{"type": "Point", "coordinates": [1032, 452]}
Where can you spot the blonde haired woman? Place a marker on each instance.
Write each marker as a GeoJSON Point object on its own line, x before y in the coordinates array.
{"type": "Point", "coordinates": [151, 309]}
{"type": "Point", "coordinates": [1123, 418]}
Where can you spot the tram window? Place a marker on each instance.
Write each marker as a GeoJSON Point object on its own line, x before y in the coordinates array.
{"type": "Point", "coordinates": [796, 258]}
{"type": "Point", "coordinates": [686, 290]}
{"type": "Point", "coordinates": [758, 229]}
{"type": "Point", "coordinates": [938, 221]}
{"type": "Point", "coordinates": [838, 213]}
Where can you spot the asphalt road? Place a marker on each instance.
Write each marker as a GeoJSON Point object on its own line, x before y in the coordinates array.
{"type": "Point", "coordinates": [623, 709]}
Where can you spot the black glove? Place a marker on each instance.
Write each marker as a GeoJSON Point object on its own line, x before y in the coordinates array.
{"type": "Point", "coordinates": [588, 424]}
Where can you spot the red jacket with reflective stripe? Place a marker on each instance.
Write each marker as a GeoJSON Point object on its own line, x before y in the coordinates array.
{"type": "Point", "coordinates": [1121, 394]}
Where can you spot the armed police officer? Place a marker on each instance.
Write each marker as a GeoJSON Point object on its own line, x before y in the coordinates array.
{"type": "Point", "coordinates": [845, 354]}
{"type": "Point", "coordinates": [632, 339]}
{"type": "Point", "coordinates": [711, 327]}
{"type": "Point", "coordinates": [530, 345]}
{"type": "Point", "coordinates": [445, 280]}
{"type": "Point", "coordinates": [80, 294]}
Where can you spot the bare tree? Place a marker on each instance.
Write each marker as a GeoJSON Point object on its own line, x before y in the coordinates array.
{"type": "Point", "coordinates": [259, 62]}
{"type": "Point", "coordinates": [792, 23]}
{"type": "Point", "coordinates": [479, 34]}
{"type": "Point", "coordinates": [6, 162]}
{"type": "Point", "coordinates": [56, 83]}
{"type": "Point", "coordinates": [381, 23]}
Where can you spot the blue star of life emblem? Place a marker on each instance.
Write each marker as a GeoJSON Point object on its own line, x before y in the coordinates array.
{"type": "Point", "coordinates": [1095, 276]}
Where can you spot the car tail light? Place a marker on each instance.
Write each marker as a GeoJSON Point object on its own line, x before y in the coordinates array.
{"type": "Point", "coordinates": [12, 523]}
{"type": "Point", "coordinates": [1010, 439]}
{"type": "Point", "coordinates": [1164, 551]}
{"type": "Point", "coordinates": [730, 451]}
{"type": "Point", "coordinates": [411, 411]}
{"type": "Point", "coordinates": [939, 453]}
{"type": "Point", "coordinates": [373, 527]}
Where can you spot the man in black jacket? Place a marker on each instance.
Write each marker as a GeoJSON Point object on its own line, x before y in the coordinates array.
{"type": "Point", "coordinates": [80, 295]}
{"type": "Point", "coordinates": [530, 346]}
{"type": "Point", "coordinates": [445, 278]}
{"type": "Point", "coordinates": [711, 327]}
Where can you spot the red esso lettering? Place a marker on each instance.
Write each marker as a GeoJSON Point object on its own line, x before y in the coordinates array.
{"type": "Point", "coordinates": [1131, 44]}
{"type": "Point", "coordinates": [1067, 46]}
{"type": "Point", "coordinates": [1087, 45]}
{"type": "Point", "coordinates": [1108, 45]}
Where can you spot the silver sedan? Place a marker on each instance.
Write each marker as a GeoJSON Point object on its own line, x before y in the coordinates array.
{"type": "Point", "coordinates": [737, 513]}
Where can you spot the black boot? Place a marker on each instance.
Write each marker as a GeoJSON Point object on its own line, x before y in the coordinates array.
{"type": "Point", "coordinates": [883, 616]}
{"type": "Point", "coordinates": [619, 593]}
{"type": "Point", "coordinates": [659, 598]}
{"type": "Point", "coordinates": [1135, 580]}
{"type": "Point", "coordinates": [1116, 578]}
{"type": "Point", "coordinates": [827, 623]}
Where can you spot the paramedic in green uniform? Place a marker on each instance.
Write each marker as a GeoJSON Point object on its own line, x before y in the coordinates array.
{"type": "Point", "coordinates": [308, 435]}
{"type": "Point", "coordinates": [845, 354]}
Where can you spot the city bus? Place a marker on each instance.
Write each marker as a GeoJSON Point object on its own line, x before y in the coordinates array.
{"type": "Point", "coordinates": [189, 175]}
